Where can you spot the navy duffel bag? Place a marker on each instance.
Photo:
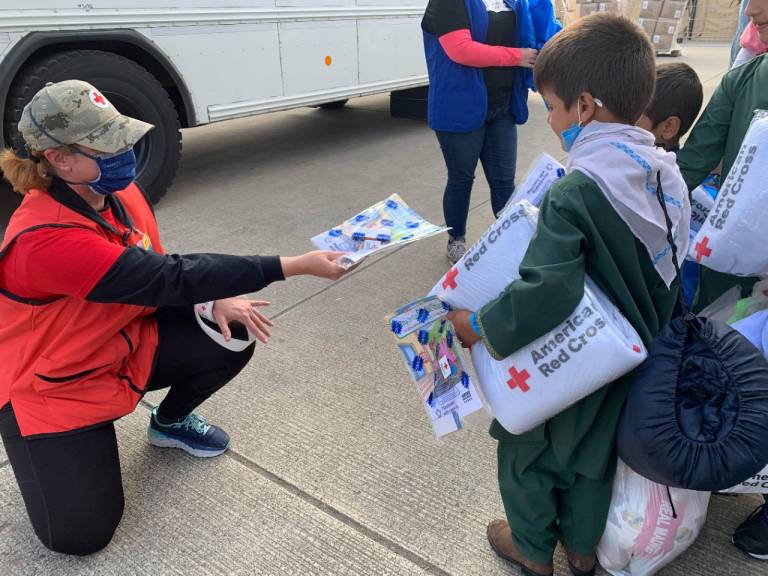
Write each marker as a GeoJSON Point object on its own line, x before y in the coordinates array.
{"type": "Point", "coordinates": [697, 413]}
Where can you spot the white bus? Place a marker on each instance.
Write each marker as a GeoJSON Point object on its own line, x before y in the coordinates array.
{"type": "Point", "coordinates": [183, 63]}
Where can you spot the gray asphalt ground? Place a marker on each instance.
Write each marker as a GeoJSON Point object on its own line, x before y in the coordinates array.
{"type": "Point", "coordinates": [333, 467]}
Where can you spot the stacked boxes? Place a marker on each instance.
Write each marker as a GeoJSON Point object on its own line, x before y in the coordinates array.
{"type": "Point", "coordinates": [577, 9]}
{"type": "Point", "coordinates": [661, 20]}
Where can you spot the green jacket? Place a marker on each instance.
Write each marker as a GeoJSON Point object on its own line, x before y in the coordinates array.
{"type": "Point", "coordinates": [717, 136]}
{"type": "Point", "coordinates": [578, 233]}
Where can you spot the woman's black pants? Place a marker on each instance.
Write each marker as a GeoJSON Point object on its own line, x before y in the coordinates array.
{"type": "Point", "coordinates": [71, 483]}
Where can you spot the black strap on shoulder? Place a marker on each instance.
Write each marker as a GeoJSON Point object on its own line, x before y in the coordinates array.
{"type": "Point", "coordinates": [64, 195]}
{"type": "Point", "coordinates": [671, 239]}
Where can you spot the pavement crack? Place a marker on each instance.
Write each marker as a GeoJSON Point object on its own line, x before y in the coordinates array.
{"type": "Point", "coordinates": [4, 464]}
{"type": "Point", "coordinates": [336, 514]}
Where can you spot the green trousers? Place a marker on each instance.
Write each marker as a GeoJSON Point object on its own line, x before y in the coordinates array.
{"type": "Point", "coordinates": [545, 502]}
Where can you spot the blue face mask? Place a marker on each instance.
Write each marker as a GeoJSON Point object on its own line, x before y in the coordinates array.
{"type": "Point", "coordinates": [570, 135]}
{"type": "Point", "coordinates": [115, 173]}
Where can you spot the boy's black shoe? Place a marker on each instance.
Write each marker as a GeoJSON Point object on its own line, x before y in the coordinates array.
{"type": "Point", "coordinates": [752, 535]}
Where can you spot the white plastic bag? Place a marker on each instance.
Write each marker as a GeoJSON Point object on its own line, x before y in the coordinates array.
{"type": "Point", "coordinates": [648, 525]}
{"type": "Point", "coordinates": [544, 172]}
{"type": "Point", "coordinates": [733, 238]}
{"type": "Point", "coordinates": [702, 201]}
{"type": "Point", "coordinates": [492, 263]}
{"type": "Point", "coordinates": [593, 347]}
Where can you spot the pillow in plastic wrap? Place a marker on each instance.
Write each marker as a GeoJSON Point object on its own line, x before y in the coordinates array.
{"type": "Point", "coordinates": [734, 236]}
{"type": "Point", "coordinates": [593, 347]}
{"type": "Point", "coordinates": [492, 263]}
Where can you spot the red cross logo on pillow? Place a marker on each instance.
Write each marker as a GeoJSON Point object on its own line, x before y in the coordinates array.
{"type": "Point", "coordinates": [98, 99]}
{"type": "Point", "coordinates": [518, 380]}
{"type": "Point", "coordinates": [449, 282]}
{"type": "Point", "coordinates": [702, 249]}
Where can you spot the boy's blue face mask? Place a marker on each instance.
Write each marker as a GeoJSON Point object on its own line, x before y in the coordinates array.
{"type": "Point", "coordinates": [115, 173]}
{"type": "Point", "coordinates": [570, 135]}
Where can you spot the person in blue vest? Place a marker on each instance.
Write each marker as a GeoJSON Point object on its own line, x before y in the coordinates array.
{"type": "Point", "coordinates": [479, 55]}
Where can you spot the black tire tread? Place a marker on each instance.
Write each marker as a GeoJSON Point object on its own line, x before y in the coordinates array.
{"type": "Point", "coordinates": [33, 76]}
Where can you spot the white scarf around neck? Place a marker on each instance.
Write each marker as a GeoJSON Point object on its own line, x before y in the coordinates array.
{"type": "Point", "coordinates": [624, 162]}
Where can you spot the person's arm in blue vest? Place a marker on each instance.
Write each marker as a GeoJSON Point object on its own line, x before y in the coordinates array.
{"type": "Point", "coordinates": [447, 19]}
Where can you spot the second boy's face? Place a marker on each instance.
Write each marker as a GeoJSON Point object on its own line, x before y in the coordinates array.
{"type": "Point", "coordinates": [558, 118]}
{"type": "Point", "coordinates": [757, 10]}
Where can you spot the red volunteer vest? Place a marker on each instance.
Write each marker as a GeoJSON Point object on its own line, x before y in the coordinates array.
{"type": "Point", "coordinates": [66, 363]}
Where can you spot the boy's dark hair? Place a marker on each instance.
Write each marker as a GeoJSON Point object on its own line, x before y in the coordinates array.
{"type": "Point", "coordinates": [606, 55]}
{"type": "Point", "coordinates": [678, 93]}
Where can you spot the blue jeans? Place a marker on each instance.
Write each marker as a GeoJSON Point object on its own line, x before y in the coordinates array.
{"type": "Point", "coordinates": [495, 145]}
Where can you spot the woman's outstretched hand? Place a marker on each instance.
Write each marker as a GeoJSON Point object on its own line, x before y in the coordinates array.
{"type": "Point", "coordinates": [320, 263]}
{"type": "Point", "coordinates": [244, 311]}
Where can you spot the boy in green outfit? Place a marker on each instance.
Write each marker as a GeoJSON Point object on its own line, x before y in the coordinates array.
{"type": "Point", "coordinates": [602, 219]}
{"type": "Point", "coordinates": [718, 135]}
{"type": "Point", "coordinates": [675, 104]}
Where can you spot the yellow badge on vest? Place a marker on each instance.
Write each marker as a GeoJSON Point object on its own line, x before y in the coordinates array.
{"type": "Point", "coordinates": [145, 242]}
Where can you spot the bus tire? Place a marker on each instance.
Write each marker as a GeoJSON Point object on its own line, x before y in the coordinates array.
{"type": "Point", "coordinates": [336, 105]}
{"type": "Point", "coordinates": [131, 89]}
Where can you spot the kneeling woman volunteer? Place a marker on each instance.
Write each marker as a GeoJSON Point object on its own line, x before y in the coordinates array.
{"type": "Point", "coordinates": [93, 314]}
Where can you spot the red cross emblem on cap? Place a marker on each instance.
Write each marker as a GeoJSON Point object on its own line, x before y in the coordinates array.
{"type": "Point", "coordinates": [450, 279]}
{"type": "Point", "coordinates": [703, 249]}
{"type": "Point", "coordinates": [518, 380]}
{"type": "Point", "coordinates": [97, 99]}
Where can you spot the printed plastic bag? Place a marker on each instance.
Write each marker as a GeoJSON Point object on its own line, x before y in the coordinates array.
{"type": "Point", "coordinates": [733, 238]}
{"type": "Point", "coordinates": [649, 525]}
{"type": "Point", "coordinates": [492, 263]}
{"type": "Point", "coordinates": [593, 347]}
{"type": "Point", "coordinates": [702, 201]}
{"type": "Point", "coordinates": [544, 172]}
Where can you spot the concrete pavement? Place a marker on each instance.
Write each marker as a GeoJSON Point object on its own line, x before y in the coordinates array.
{"type": "Point", "coordinates": [333, 467]}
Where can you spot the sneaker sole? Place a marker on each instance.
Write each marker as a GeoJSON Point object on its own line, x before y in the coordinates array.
{"type": "Point", "coordinates": [755, 556]}
{"type": "Point", "coordinates": [172, 443]}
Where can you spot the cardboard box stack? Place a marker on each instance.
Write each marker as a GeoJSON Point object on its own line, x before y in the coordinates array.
{"type": "Point", "coordinates": [661, 19]}
{"type": "Point", "coordinates": [576, 9]}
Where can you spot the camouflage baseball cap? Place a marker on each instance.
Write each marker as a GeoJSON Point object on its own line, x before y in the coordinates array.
{"type": "Point", "coordinates": [74, 112]}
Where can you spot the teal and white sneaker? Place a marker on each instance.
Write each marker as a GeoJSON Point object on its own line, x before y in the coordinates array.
{"type": "Point", "coordinates": [193, 435]}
